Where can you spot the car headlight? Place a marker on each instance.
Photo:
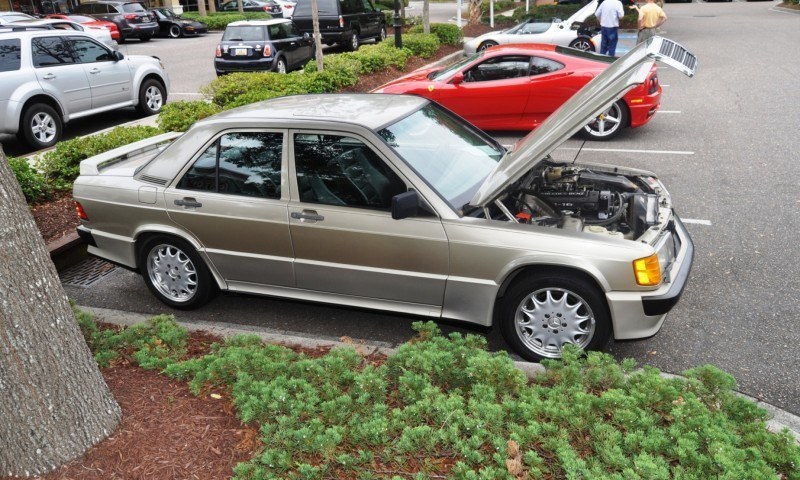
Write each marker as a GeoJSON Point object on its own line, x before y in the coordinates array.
{"type": "Point", "coordinates": [647, 271]}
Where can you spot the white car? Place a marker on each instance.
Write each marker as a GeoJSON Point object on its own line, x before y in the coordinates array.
{"type": "Point", "coordinates": [101, 34]}
{"type": "Point", "coordinates": [11, 17]}
{"type": "Point", "coordinates": [567, 33]}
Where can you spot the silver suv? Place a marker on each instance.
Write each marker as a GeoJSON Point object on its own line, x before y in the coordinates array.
{"type": "Point", "coordinates": [49, 77]}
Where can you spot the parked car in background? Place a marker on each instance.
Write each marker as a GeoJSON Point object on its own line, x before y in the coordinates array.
{"type": "Point", "coordinates": [516, 87]}
{"type": "Point", "coordinates": [287, 6]}
{"type": "Point", "coordinates": [11, 17]}
{"type": "Point", "coordinates": [569, 33]}
{"type": "Point", "coordinates": [253, 6]}
{"type": "Point", "coordinates": [173, 25]}
{"type": "Point", "coordinates": [131, 18]}
{"type": "Point", "coordinates": [100, 33]}
{"type": "Point", "coordinates": [89, 22]}
{"type": "Point", "coordinates": [393, 202]}
{"type": "Point", "coordinates": [50, 77]}
{"type": "Point", "coordinates": [346, 22]}
{"type": "Point", "coordinates": [262, 45]}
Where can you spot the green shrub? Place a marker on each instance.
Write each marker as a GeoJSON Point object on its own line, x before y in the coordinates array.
{"type": "Point", "coordinates": [421, 45]}
{"type": "Point", "coordinates": [446, 33]}
{"type": "Point", "coordinates": [179, 116]}
{"type": "Point", "coordinates": [239, 89]}
{"type": "Point", "coordinates": [33, 184]}
{"type": "Point", "coordinates": [218, 21]}
{"type": "Point", "coordinates": [378, 57]}
{"type": "Point", "coordinates": [62, 164]}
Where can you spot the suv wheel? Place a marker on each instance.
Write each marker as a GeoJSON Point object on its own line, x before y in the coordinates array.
{"type": "Point", "coordinates": [151, 97]}
{"type": "Point", "coordinates": [175, 31]}
{"type": "Point", "coordinates": [381, 35]}
{"type": "Point", "coordinates": [353, 43]}
{"type": "Point", "coordinates": [41, 126]}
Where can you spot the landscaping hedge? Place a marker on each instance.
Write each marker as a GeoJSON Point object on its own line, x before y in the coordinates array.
{"type": "Point", "coordinates": [34, 185]}
{"type": "Point", "coordinates": [179, 116]}
{"type": "Point", "coordinates": [218, 21]}
{"type": "Point", "coordinates": [446, 33]}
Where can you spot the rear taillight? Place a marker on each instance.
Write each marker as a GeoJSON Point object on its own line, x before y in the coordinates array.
{"type": "Point", "coordinates": [288, 7]}
{"type": "Point", "coordinates": [219, 51]}
{"type": "Point", "coordinates": [341, 21]}
{"type": "Point", "coordinates": [130, 16]}
{"type": "Point", "coordinates": [265, 8]}
{"type": "Point", "coordinates": [267, 51]}
{"type": "Point", "coordinates": [81, 213]}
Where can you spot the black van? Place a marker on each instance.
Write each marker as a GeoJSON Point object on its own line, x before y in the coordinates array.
{"type": "Point", "coordinates": [346, 22]}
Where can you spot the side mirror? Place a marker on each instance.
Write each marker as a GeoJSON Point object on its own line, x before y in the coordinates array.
{"type": "Point", "coordinates": [306, 36]}
{"type": "Point", "coordinates": [405, 205]}
{"type": "Point", "coordinates": [457, 78]}
{"type": "Point", "coordinates": [118, 55]}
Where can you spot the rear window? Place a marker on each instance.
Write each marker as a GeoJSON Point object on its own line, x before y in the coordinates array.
{"type": "Point", "coordinates": [9, 55]}
{"type": "Point", "coordinates": [247, 33]}
{"type": "Point", "coordinates": [133, 7]}
{"type": "Point", "coordinates": [326, 7]}
{"type": "Point", "coordinates": [81, 18]}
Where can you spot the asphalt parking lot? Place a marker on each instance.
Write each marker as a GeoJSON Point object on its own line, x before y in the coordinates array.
{"type": "Point", "coordinates": [725, 143]}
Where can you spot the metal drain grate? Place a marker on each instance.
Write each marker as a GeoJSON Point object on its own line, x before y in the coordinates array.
{"type": "Point", "coordinates": [87, 272]}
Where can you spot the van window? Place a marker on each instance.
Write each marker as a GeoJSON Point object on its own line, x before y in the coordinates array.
{"type": "Point", "coordinates": [326, 7]}
{"type": "Point", "coordinates": [9, 55]}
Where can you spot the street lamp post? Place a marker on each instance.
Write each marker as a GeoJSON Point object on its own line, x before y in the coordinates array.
{"type": "Point", "coordinates": [398, 27]}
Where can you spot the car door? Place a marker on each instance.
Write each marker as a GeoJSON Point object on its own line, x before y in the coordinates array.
{"type": "Point", "coordinates": [282, 43]}
{"type": "Point", "coordinates": [493, 93]}
{"type": "Point", "coordinates": [370, 19]}
{"type": "Point", "coordinates": [110, 79]}
{"type": "Point", "coordinates": [300, 47]}
{"type": "Point", "coordinates": [344, 237]}
{"type": "Point", "coordinates": [59, 74]}
{"type": "Point", "coordinates": [232, 198]}
{"type": "Point", "coordinates": [552, 84]}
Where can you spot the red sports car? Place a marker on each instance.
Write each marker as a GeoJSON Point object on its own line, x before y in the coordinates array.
{"type": "Point", "coordinates": [90, 22]}
{"type": "Point", "coordinates": [515, 87]}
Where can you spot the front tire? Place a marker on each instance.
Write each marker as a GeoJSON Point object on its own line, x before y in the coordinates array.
{"type": "Point", "coordinates": [542, 313]}
{"type": "Point", "coordinates": [487, 44]}
{"type": "Point", "coordinates": [175, 273]}
{"type": "Point", "coordinates": [175, 31]}
{"type": "Point", "coordinates": [583, 44]}
{"type": "Point", "coordinates": [41, 126]}
{"type": "Point", "coordinates": [608, 124]}
{"type": "Point", "coordinates": [152, 97]}
{"type": "Point", "coordinates": [354, 43]}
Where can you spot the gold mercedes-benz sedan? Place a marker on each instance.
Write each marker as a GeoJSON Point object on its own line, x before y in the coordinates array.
{"type": "Point", "coordinates": [392, 202]}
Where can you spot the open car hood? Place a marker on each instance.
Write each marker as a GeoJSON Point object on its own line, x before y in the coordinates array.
{"type": "Point", "coordinates": [581, 15]}
{"type": "Point", "coordinates": [606, 88]}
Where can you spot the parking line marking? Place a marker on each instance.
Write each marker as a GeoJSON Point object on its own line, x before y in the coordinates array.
{"type": "Point", "coordinates": [625, 150]}
{"type": "Point", "coordinates": [696, 221]}
{"type": "Point", "coordinates": [668, 111]}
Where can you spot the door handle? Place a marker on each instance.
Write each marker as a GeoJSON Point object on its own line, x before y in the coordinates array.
{"type": "Point", "coordinates": [94, 70]}
{"type": "Point", "coordinates": [307, 215]}
{"type": "Point", "coordinates": [188, 202]}
{"type": "Point", "coordinates": [49, 76]}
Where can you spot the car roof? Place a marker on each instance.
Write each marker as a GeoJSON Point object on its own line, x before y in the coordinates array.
{"type": "Point", "coordinates": [371, 110]}
{"type": "Point", "coordinates": [245, 23]}
{"type": "Point", "coordinates": [6, 31]}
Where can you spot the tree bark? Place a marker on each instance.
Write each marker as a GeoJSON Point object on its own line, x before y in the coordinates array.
{"type": "Point", "coordinates": [55, 403]}
{"type": "Point", "coordinates": [474, 12]}
{"type": "Point", "coordinates": [426, 16]}
{"type": "Point", "coordinates": [317, 35]}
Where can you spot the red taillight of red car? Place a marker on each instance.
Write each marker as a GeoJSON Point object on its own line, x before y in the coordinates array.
{"type": "Point", "coordinates": [219, 51]}
{"type": "Point", "coordinates": [267, 51]}
{"type": "Point", "coordinates": [130, 16]}
{"type": "Point", "coordinates": [265, 8]}
{"type": "Point", "coordinates": [81, 213]}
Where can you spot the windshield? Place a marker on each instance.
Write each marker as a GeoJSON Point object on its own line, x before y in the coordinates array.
{"type": "Point", "coordinates": [529, 27]}
{"type": "Point", "coordinates": [450, 70]}
{"type": "Point", "coordinates": [252, 33]}
{"type": "Point", "coordinates": [450, 155]}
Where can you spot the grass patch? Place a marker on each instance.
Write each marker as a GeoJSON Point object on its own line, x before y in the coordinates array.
{"type": "Point", "coordinates": [444, 407]}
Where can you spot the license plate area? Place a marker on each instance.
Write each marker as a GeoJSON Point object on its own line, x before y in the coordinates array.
{"type": "Point", "coordinates": [241, 52]}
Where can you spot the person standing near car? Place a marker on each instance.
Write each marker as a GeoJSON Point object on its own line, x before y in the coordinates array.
{"type": "Point", "coordinates": [651, 16]}
{"type": "Point", "coordinates": [608, 14]}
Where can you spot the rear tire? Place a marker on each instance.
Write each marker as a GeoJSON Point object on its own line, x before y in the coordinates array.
{"type": "Point", "coordinates": [174, 272]}
{"type": "Point", "coordinates": [41, 126]}
{"type": "Point", "coordinates": [609, 123]}
{"type": "Point", "coordinates": [542, 313]}
{"type": "Point", "coordinates": [152, 97]}
{"type": "Point", "coordinates": [280, 65]}
{"type": "Point", "coordinates": [175, 31]}
{"type": "Point", "coordinates": [354, 42]}
{"type": "Point", "coordinates": [381, 34]}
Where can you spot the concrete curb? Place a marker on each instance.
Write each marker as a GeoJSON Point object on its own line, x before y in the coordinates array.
{"type": "Point", "coordinates": [780, 420]}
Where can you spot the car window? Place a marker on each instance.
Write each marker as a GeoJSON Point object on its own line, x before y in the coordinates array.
{"type": "Point", "coordinates": [341, 170]}
{"type": "Point", "coordinates": [326, 7]}
{"type": "Point", "coordinates": [367, 6]}
{"type": "Point", "coordinates": [243, 163]}
{"type": "Point", "coordinates": [66, 26]}
{"type": "Point", "coordinates": [276, 32]}
{"type": "Point", "coordinates": [10, 55]}
{"type": "Point", "coordinates": [288, 30]}
{"type": "Point", "coordinates": [533, 27]}
{"type": "Point", "coordinates": [350, 6]}
{"type": "Point", "coordinates": [541, 65]}
{"type": "Point", "coordinates": [499, 68]}
{"type": "Point", "coordinates": [252, 33]}
{"type": "Point", "coordinates": [89, 51]}
{"type": "Point", "coordinates": [133, 7]}
{"type": "Point", "coordinates": [50, 51]}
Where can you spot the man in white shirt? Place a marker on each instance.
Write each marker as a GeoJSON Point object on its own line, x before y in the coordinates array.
{"type": "Point", "coordinates": [608, 13]}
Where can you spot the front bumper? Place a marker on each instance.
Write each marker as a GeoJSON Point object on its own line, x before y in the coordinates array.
{"type": "Point", "coordinates": [641, 314]}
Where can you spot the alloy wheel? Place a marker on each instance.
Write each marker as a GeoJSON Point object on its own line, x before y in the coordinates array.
{"type": "Point", "coordinates": [607, 123]}
{"type": "Point", "coordinates": [172, 273]}
{"type": "Point", "coordinates": [43, 127]}
{"type": "Point", "coordinates": [153, 98]}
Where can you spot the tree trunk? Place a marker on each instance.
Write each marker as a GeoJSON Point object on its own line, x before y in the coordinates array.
{"type": "Point", "coordinates": [474, 12]}
{"type": "Point", "coordinates": [201, 7]}
{"type": "Point", "coordinates": [317, 35]}
{"type": "Point", "coordinates": [240, 6]}
{"type": "Point", "coordinates": [55, 404]}
{"type": "Point", "coordinates": [426, 16]}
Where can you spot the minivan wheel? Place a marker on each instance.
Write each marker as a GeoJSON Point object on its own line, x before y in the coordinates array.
{"type": "Point", "coordinates": [541, 314]}
{"type": "Point", "coordinates": [151, 97]}
{"type": "Point", "coordinates": [175, 31]}
{"type": "Point", "coordinates": [353, 45]}
{"type": "Point", "coordinates": [175, 273]}
{"type": "Point", "coordinates": [280, 65]}
{"type": "Point", "coordinates": [41, 126]}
